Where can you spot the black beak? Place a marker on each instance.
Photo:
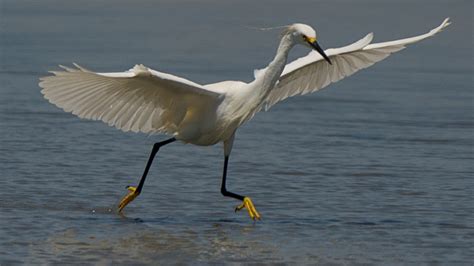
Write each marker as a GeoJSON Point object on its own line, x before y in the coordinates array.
{"type": "Point", "coordinates": [320, 50]}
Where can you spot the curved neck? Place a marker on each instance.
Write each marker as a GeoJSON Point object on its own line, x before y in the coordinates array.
{"type": "Point", "coordinates": [268, 76]}
{"type": "Point", "coordinates": [253, 96]}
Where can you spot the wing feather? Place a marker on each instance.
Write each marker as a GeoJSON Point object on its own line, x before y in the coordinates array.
{"type": "Point", "coordinates": [311, 73]}
{"type": "Point", "coordinates": [140, 100]}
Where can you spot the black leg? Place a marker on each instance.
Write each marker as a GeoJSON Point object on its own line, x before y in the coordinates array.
{"type": "Point", "coordinates": [156, 148]}
{"type": "Point", "coordinates": [134, 192]}
{"type": "Point", "coordinates": [223, 189]}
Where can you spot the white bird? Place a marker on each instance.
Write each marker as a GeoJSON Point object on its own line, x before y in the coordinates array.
{"type": "Point", "coordinates": [145, 100]}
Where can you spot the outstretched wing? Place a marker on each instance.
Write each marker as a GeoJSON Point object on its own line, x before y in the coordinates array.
{"type": "Point", "coordinates": [311, 73]}
{"type": "Point", "coordinates": [140, 100]}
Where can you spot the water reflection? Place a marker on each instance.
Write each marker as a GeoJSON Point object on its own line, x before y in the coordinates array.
{"type": "Point", "coordinates": [146, 242]}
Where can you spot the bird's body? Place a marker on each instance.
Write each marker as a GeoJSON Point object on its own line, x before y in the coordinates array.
{"type": "Point", "coordinates": [148, 101]}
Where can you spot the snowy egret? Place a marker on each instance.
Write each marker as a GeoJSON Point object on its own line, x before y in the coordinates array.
{"type": "Point", "coordinates": [145, 100]}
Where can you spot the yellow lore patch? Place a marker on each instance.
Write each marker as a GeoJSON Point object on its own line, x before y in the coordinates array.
{"type": "Point", "coordinates": [311, 39]}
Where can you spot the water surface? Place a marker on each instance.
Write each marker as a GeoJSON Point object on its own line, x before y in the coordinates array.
{"type": "Point", "coordinates": [375, 169]}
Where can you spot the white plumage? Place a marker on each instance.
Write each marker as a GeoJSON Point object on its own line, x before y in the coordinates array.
{"type": "Point", "coordinates": [148, 101]}
{"type": "Point", "coordinates": [140, 100]}
{"type": "Point", "coordinates": [310, 73]}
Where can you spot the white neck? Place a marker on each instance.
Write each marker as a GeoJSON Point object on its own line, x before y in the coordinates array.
{"type": "Point", "coordinates": [252, 96]}
{"type": "Point", "coordinates": [267, 77]}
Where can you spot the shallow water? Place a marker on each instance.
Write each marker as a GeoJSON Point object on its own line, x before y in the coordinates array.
{"type": "Point", "coordinates": [375, 169]}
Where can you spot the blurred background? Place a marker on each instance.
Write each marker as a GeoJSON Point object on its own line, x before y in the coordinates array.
{"type": "Point", "coordinates": [375, 169]}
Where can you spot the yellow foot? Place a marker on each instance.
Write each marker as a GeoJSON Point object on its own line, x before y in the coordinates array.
{"type": "Point", "coordinates": [132, 194]}
{"type": "Point", "coordinates": [247, 203]}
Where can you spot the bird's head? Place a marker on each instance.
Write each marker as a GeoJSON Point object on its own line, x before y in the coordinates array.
{"type": "Point", "coordinates": [305, 35]}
